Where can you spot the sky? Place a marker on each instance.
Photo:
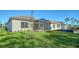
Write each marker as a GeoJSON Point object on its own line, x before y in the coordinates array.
{"type": "Point", "coordinates": [56, 15]}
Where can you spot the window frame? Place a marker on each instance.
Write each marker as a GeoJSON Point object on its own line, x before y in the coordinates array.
{"type": "Point", "coordinates": [58, 25]}
{"type": "Point", "coordinates": [54, 26]}
{"type": "Point", "coordinates": [24, 25]}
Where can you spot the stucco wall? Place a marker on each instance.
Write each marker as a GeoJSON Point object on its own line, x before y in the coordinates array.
{"type": "Point", "coordinates": [51, 25]}
{"type": "Point", "coordinates": [66, 27]}
{"type": "Point", "coordinates": [9, 26]}
{"type": "Point", "coordinates": [16, 26]}
{"type": "Point", "coordinates": [56, 28]}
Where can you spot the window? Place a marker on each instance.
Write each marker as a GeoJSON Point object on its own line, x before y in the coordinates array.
{"type": "Point", "coordinates": [58, 25]}
{"type": "Point", "coordinates": [24, 24]}
{"type": "Point", "coordinates": [53, 26]}
{"type": "Point", "coordinates": [41, 27]}
{"type": "Point", "coordinates": [41, 24]}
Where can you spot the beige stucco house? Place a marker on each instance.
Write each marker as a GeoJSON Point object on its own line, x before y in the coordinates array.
{"type": "Point", "coordinates": [20, 23]}
{"type": "Point", "coordinates": [28, 23]}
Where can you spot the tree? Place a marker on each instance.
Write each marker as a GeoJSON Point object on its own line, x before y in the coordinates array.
{"type": "Point", "coordinates": [67, 20]}
{"type": "Point", "coordinates": [77, 21]}
{"type": "Point", "coordinates": [72, 21]}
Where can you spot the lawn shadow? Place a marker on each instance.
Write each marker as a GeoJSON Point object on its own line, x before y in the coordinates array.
{"type": "Point", "coordinates": [62, 40]}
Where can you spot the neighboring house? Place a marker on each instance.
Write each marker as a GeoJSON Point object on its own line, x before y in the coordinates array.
{"type": "Point", "coordinates": [75, 29]}
{"type": "Point", "coordinates": [27, 23]}
{"type": "Point", "coordinates": [67, 27]}
{"type": "Point", "coordinates": [56, 25]}
{"type": "Point", "coordinates": [20, 23]}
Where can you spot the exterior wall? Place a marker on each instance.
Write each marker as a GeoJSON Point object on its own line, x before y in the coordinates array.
{"type": "Point", "coordinates": [62, 27]}
{"type": "Point", "coordinates": [16, 26]}
{"type": "Point", "coordinates": [56, 28]}
{"type": "Point", "coordinates": [46, 26]}
{"type": "Point", "coordinates": [41, 26]}
{"type": "Point", "coordinates": [51, 27]}
{"type": "Point", "coordinates": [38, 27]}
{"type": "Point", "coordinates": [9, 26]}
{"type": "Point", "coordinates": [66, 27]}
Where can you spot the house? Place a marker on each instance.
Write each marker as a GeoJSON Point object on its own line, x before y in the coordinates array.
{"type": "Point", "coordinates": [75, 29]}
{"type": "Point", "coordinates": [24, 23]}
{"type": "Point", "coordinates": [28, 23]}
{"type": "Point", "coordinates": [67, 27]}
{"type": "Point", "coordinates": [20, 23]}
{"type": "Point", "coordinates": [41, 25]}
{"type": "Point", "coordinates": [54, 25]}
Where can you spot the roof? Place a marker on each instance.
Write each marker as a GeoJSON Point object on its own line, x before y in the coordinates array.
{"type": "Point", "coordinates": [55, 22]}
{"type": "Point", "coordinates": [28, 18]}
{"type": "Point", "coordinates": [42, 20]}
{"type": "Point", "coordinates": [48, 21]}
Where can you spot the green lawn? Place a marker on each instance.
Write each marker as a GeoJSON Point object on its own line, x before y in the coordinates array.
{"type": "Point", "coordinates": [53, 39]}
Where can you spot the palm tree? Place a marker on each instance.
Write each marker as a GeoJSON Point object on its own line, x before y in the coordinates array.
{"type": "Point", "coordinates": [77, 21]}
{"type": "Point", "coordinates": [72, 20]}
{"type": "Point", "coordinates": [67, 20]}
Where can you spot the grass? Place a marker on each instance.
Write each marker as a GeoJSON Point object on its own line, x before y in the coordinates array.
{"type": "Point", "coordinates": [53, 39]}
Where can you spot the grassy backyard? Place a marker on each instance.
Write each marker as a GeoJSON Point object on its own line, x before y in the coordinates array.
{"type": "Point", "coordinates": [54, 39]}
